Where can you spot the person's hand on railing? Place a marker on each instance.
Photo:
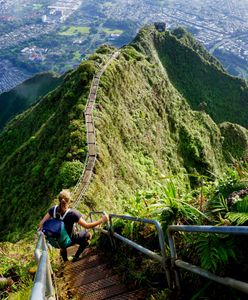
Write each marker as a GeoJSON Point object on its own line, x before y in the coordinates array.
{"type": "Point", "coordinates": [105, 219]}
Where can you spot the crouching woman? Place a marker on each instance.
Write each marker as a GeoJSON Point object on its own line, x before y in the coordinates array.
{"type": "Point", "coordinates": [70, 217]}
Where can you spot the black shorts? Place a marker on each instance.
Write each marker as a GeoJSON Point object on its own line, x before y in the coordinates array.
{"type": "Point", "coordinates": [80, 237]}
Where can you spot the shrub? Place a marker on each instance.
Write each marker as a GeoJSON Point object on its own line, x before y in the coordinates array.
{"type": "Point", "coordinates": [69, 173]}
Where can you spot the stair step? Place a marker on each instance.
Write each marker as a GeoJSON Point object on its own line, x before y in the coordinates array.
{"type": "Point", "coordinates": [83, 264]}
{"type": "Point", "coordinates": [135, 295]}
{"type": "Point", "coordinates": [99, 284]}
{"type": "Point", "coordinates": [105, 293]}
{"type": "Point", "coordinates": [89, 275]}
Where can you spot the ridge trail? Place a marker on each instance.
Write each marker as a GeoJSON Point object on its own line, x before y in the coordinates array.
{"type": "Point", "coordinates": [91, 277]}
{"type": "Point", "coordinates": [84, 180]}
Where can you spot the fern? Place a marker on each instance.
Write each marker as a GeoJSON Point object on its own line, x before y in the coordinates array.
{"type": "Point", "coordinates": [193, 209]}
{"type": "Point", "coordinates": [239, 215]}
{"type": "Point", "coordinates": [242, 205]}
{"type": "Point", "coordinates": [214, 250]}
{"type": "Point", "coordinates": [239, 218]}
{"type": "Point", "coordinates": [219, 205]}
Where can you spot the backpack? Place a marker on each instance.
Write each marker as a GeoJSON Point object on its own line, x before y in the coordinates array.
{"type": "Point", "coordinates": [55, 232]}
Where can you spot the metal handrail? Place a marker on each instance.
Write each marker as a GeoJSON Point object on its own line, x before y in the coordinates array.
{"type": "Point", "coordinates": [238, 230]}
{"type": "Point", "coordinates": [175, 262]}
{"type": "Point", "coordinates": [163, 258]}
{"type": "Point", "coordinates": [43, 286]}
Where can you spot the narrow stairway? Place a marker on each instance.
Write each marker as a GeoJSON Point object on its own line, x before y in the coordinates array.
{"type": "Point", "coordinates": [92, 278]}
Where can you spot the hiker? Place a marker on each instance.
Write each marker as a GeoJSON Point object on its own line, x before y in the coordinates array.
{"type": "Point", "coordinates": [71, 216]}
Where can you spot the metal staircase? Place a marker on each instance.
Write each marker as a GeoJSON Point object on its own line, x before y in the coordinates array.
{"type": "Point", "coordinates": [92, 277]}
{"type": "Point", "coordinates": [85, 178]}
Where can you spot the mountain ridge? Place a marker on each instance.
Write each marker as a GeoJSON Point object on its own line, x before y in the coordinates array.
{"type": "Point", "coordinates": [145, 129]}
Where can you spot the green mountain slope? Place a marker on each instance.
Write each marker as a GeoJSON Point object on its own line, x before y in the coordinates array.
{"type": "Point", "coordinates": [200, 78]}
{"type": "Point", "coordinates": [42, 150]}
{"type": "Point", "coordinates": [21, 97]}
{"type": "Point", "coordinates": [145, 129]}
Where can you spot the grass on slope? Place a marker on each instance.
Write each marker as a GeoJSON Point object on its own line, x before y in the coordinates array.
{"type": "Point", "coordinates": [201, 79]}
{"type": "Point", "coordinates": [43, 150]}
{"type": "Point", "coordinates": [21, 97]}
{"type": "Point", "coordinates": [144, 129]}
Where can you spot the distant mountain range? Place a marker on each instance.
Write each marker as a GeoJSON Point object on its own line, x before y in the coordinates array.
{"type": "Point", "coordinates": [165, 107]}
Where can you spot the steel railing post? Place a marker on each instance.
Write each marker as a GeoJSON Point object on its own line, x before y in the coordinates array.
{"type": "Point", "coordinates": [165, 264]}
{"type": "Point", "coordinates": [49, 284]}
{"type": "Point", "coordinates": [163, 259]}
{"type": "Point", "coordinates": [109, 227]}
{"type": "Point", "coordinates": [111, 234]}
{"type": "Point", "coordinates": [175, 262]}
{"type": "Point", "coordinates": [237, 230]}
{"type": "Point", "coordinates": [173, 258]}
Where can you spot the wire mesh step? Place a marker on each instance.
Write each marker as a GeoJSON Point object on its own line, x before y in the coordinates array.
{"type": "Point", "coordinates": [135, 295]}
{"type": "Point", "coordinates": [105, 293]}
{"type": "Point", "coordinates": [90, 275]}
{"type": "Point", "coordinates": [99, 284]}
{"type": "Point", "coordinates": [79, 266]}
{"type": "Point", "coordinates": [92, 278]}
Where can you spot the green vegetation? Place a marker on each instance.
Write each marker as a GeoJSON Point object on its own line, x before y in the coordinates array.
{"type": "Point", "coordinates": [162, 2]}
{"type": "Point", "coordinates": [37, 6]}
{"type": "Point", "coordinates": [107, 4]}
{"type": "Point", "coordinates": [146, 128]}
{"type": "Point", "coordinates": [15, 262]}
{"type": "Point", "coordinates": [42, 146]}
{"type": "Point", "coordinates": [77, 55]}
{"type": "Point", "coordinates": [18, 265]}
{"type": "Point", "coordinates": [149, 139]}
{"type": "Point", "coordinates": [21, 97]}
{"type": "Point", "coordinates": [170, 202]}
{"type": "Point", "coordinates": [112, 31]}
{"type": "Point", "coordinates": [234, 134]}
{"type": "Point", "coordinates": [75, 30]}
{"type": "Point", "coordinates": [199, 77]}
